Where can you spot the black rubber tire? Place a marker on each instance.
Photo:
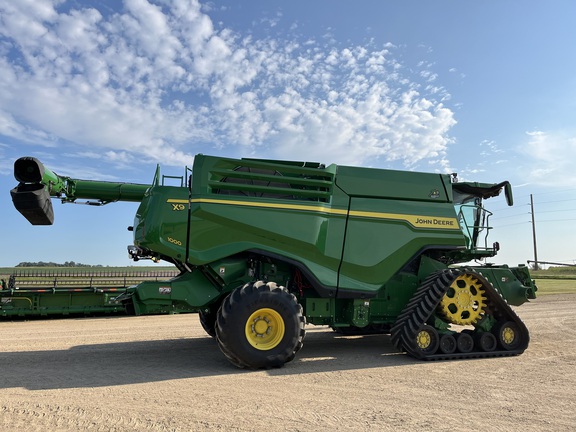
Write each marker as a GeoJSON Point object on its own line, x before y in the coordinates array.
{"type": "Point", "coordinates": [464, 342]}
{"type": "Point", "coordinates": [486, 341]}
{"type": "Point", "coordinates": [234, 314]}
{"type": "Point", "coordinates": [447, 344]}
{"type": "Point", "coordinates": [433, 341]}
{"type": "Point", "coordinates": [502, 329]}
{"type": "Point", "coordinates": [208, 319]}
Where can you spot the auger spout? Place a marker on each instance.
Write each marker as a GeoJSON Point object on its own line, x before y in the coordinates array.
{"type": "Point", "coordinates": [37, 185]}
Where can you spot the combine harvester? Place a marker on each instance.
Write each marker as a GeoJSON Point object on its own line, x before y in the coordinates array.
{"type": "Point", "coordinates": [264, 247]}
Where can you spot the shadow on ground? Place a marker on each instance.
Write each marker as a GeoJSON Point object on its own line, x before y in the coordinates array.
{"type": "Point", "coordinates": [159, 360]}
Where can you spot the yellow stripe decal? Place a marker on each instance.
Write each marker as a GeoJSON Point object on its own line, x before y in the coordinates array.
{"type": "Point", "coordinates": [416, 221]}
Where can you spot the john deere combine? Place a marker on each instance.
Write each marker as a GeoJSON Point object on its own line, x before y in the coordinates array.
{"type": "Point", "coordinates": [264, 247]}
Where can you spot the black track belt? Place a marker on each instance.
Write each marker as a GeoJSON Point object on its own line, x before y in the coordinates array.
{"type": "Point", "coordinates": [424, 302]}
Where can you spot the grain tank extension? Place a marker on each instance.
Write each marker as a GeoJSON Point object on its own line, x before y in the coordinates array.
{"type": "Point", "coordinates": [264, 247]}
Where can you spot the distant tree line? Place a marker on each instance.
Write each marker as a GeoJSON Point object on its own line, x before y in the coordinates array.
{"type": "Point", "coordinates": [53, 264]}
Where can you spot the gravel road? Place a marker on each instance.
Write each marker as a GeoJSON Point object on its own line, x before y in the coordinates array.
{"type": "Point", "coordinates": [163, 373]}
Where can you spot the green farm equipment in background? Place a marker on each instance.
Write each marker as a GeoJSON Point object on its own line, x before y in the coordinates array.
{"type": "Point", "coordinates": [41, 292]}
{"type": "Point", "coordinates": [264, 247]}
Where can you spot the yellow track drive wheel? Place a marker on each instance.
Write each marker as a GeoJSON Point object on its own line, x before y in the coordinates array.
{"type": "Point", "coordinates": [464, 302]}
{"type": "Point", "coordinates": [265, 329]}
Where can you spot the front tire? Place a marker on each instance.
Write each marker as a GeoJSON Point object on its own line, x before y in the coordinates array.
{"type": "Point", "coordinates": [260, 326]}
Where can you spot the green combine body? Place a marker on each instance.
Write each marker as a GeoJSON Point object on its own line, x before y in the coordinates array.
{"type": "Point", "coordinates": [264, 247]}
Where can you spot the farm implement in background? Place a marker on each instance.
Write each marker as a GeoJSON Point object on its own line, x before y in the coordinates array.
{"type": "Point", "coordinates": [33, 293]}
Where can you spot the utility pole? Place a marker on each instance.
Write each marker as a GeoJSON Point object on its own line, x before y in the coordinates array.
{"type": "Point", "coordinates": [534, 233]}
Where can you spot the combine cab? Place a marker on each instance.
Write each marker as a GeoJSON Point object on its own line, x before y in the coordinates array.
{"type": "Point", "coordinates": [264, 247]}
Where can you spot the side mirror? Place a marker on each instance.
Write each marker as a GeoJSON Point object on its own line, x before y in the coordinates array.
{"type": "Point", "coordinates": [508, 193]}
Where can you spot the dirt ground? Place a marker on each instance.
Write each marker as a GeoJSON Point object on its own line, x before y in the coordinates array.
{"type": "Point", "coordinates": [163, 373]}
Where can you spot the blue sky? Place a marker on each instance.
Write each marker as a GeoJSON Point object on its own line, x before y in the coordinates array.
{"type": "Point", "coordinates": [107, 89]}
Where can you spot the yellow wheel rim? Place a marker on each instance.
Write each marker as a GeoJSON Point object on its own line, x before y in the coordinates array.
{"type": "Point", "coordinates": [423, 339]}
{"type": "Point", "coordinates": [464, 302]}
{"type": "Point", "coordinates": [265, 329]}
{"type": "Point", "coordinates": [508, 335]}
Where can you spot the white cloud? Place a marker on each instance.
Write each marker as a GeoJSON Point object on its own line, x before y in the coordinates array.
{"type": "Point", "coordinates": [549, 157]}
{"type": "Point", "coordinates": [5, 165]}
{"type": "Point", "coordinates": [11, 128]}
{"type": "Point", "coordinates": [156, 79]}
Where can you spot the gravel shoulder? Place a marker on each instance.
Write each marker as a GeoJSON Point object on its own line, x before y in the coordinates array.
{"type": "Point", "coordinates": [163, 373]}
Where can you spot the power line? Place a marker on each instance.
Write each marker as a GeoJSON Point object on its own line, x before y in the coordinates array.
{"type": "Point", "coordinates": [514, 224]}
{"type": "Point", "coordinates": [556, 211]}
{"type": "Point", "coordinates": [498, 218]}
{"type": "Point", "coordinates": [555, 191]}
{"type": "Point", "coordinates": [518, 206]}
{"type": "Point", "coordinates": [528, 222]}
{"type": "Point", "coordinates": [547, 193]}
{"type": "Point", "coordinates": [563, 200]}
{"type": "Point", "coordinates": [556, 220]}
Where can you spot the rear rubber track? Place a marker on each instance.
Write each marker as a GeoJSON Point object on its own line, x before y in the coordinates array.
{"type": "Point", "coordinates": [424, 302]}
